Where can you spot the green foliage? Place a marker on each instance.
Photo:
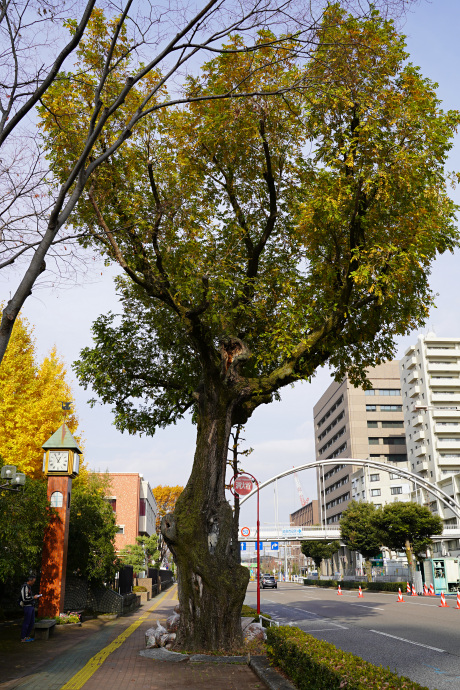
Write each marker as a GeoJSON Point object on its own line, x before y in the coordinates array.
{"type": "Point", "coordinates": [407, 524]}
{"type": "Point", "coordinates": [92, 530]}
{"type": "Point", "coordinates": [24, 516]}
{"type": "Point", "coordinates": [317, 665]}
{"type": "Point", "coordinates": [386, 586]}
{"type": "Point", "coordinates": [319, 550]}
{"type": "Point", "coordinates": [141, 554]}
{"type": "Point", "coordinates": [358, 531]}
{"type": "Point", "coordinates": [304, 224]}
{"type": "Point", "coordinates": [352, 584]}
{"type": "Point", "coordinates": [139, 588]}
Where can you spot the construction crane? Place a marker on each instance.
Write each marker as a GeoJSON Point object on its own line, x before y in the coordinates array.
{"type": "Point", "coordinates": [299, 490]}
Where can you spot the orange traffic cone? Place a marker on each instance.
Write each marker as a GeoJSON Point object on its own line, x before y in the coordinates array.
{"type": "Point", "coordinates": [425, 590]}
{"type": "Point", "coordinates": [432, 594]}
{"type": "Point", "coordinates": [443, 602]}
{"type": "Point", "coordinates": [339, 593]}
{"type": "Point", "coordinates": [408, 590]}
{"type": "Point", "coordinates": [360, 593]}
{"type": "Point", "coordinates": [400, 597]}
{"type": "Point", "coordinates": [458, 601]}
{"type": "Point", "coordinates": [414, 593]}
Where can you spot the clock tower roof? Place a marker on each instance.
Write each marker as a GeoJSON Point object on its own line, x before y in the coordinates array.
{"type": "Point", "coordinates": [62, 438]}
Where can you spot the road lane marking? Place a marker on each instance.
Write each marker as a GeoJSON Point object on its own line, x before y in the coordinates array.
{"type": "Point", "coordinates": [403, 639]}
{"type": "Point", "coordinates": [90, 668]}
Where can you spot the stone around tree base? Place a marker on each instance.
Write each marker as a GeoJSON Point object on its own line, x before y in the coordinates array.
{"type": "Point", "coordinates": [268, 675]}
{"type": "Point", "coordinates": [162, 654]}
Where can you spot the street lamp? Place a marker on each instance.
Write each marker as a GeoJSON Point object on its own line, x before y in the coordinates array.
{"type": "Point", "coordinates": [13, 480]}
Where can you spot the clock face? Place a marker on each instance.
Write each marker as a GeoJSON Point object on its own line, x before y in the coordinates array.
{"type": "Point", "coordinates": [58, 461]}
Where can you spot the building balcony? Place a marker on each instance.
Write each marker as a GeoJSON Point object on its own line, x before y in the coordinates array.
{"type": "Point", "coordinates": [412, 362]}
{"type": "Point", "coordinates": [448, 352]}
{"type": "Point", "coordinates": [452, 398]}
{"type": "Point", "coordinates": [449, 463]}
{"type": "Point", "coordinates": [452, 414]}
{"type": "Point", "coordinates": [417, 420]}
{"type": "Point", "coordinates": [420, 451]}
{"type": "Point", "coordinates": [413, 376]}
{"type": "Point", "coordinates": [445, 383]}
{"type": "Point", "coordinates": [422, 466]}
{"type": "Point", "coordinates": [415, 391]}
{"type": "Point", "coordinates": [448, 444]}
{"type": "Point", "coordinates": [453, 428]}
{"type": "Point", "coordinates": [419, 436]}
{"type": "Point", "coordinates": [447, 367]}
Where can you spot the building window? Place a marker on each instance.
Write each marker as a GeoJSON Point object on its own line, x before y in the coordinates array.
{"type": "Point", "coordinates": [371, 408]}
{"type": "Point", "coordinates": [374, 477]}
{"type": "Point", "coordinates": [120, 529]}
{"type": "Point", "coordinates": [395, 441]}
{"type": "Point", "coordinates": [392, 425]}
{"type": "Point", "coordinates": [56, 500]}
{"type": "Point", "coordinates": [375, 492]}
{"type": "Point", "coordinates": [112, 503]}
{"type": "Point", "coordinates": [374, 441]}
{"type": "Point", "coordinates": [394, 476]}
{"type": "Point", "coordinates": [388, 391]}
{"type": "Point", "coordinates": [330, 411]}
{"type": "Point", "coordinates": [142, 507]}
{"type": "Point", "coordinates": [378, 505]}
{"type": "Point", "coordinates": [369, 392]}
{"type": "Point", "coordinates": [395, 490]}
{"type": "Point", "coordinates": [391, 408]}
{"type": "Point", "coordinates": [372, 425]}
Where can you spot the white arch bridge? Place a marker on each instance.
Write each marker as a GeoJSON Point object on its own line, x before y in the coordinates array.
{"type": "Point", "coordinates": [281, 532]}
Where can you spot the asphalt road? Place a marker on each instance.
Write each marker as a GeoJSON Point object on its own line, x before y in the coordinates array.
{"type": "Point", "coordinates": [417, 639]}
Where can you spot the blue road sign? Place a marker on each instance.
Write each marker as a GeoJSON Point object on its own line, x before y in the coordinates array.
{"type": "Point", "coordinates": [261, 546]}
{"type": "Point", "coordinates": [274, 546]}
{"type": "Point", "coordinates": [242, 546]}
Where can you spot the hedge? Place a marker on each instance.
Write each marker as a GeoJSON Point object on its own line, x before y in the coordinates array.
{"type": "Point", "coordinates": [352, 584]}
{"type": "Point", "coordinates": [317, 665]}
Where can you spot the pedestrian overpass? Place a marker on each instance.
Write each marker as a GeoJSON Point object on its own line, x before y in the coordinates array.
{"type": "Point", "coordinates": [328, 532]}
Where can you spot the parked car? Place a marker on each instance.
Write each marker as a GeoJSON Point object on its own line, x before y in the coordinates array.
{"type": "Point", "coordinates": [268, 581]}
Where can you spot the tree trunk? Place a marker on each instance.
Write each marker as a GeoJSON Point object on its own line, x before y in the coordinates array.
{"type": "Point", "coordinates": [368, 568]}
{"type": "Point", "coordinates": [410, 560]}
{"type": "Point", "coordinates": [212, 583]}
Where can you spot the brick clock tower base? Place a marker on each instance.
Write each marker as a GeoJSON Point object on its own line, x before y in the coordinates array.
{"type": "Point", "coordinates": [61, 463]}
{"type": "Point", "coordinates": [54, 559]}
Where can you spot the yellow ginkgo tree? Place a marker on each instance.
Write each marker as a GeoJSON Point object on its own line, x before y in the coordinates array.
{"type": "Point", "coordinates": [30, 401]}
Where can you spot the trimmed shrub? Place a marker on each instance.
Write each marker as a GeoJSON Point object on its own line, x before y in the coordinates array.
{"type": "Point", "coordinates": [317, 665]}
{"type": "Point", "coordinates": [386, 586]}
{"type": "Point", "coordinates": [140, 588]}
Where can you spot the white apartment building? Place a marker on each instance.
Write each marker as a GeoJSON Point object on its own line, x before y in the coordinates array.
{"type": "Point", "coordinates": [430, 384]}
{"type": "Point", "coordinates": [379, 488]}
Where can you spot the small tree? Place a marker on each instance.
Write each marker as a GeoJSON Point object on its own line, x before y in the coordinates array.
{"type": "Point", "coordinates": [359, 532]}
{"type": "Point", "coordinates": [319, 550]}
{"type": "Point", "coordinates": [141, 554]}
{"type": "Point", "coordinates": [165, 498]}
{"type": "Point", "coordinates": [92, 530]}
{"type": "Point", "coordinates": [407, 527]}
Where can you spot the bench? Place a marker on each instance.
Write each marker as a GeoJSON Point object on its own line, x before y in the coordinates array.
{"type": "Point", "coordinates": [45, 629]}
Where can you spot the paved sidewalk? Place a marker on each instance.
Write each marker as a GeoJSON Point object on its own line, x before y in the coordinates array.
{"type": "Point", "coordinates": [109, 658]}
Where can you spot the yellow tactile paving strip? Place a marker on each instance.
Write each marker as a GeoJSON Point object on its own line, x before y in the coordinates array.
{"type": "Point", "coordinates": [82, 677]}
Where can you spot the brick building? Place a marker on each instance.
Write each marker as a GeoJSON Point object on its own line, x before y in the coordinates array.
{"type": "Point", "coordinates": [133, 502]}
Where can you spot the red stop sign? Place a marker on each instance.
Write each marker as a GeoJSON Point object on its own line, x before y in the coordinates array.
{"type": "Point", "coordinates": [243, 485]}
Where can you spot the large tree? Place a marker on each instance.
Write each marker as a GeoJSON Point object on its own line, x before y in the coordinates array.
{"type": "Point", "coordinates": [408, 527]}
{"type": "Point", "coordinates": [260, 239]}
{"type": "Point", "coordinates": [31, 392]}
{"type": "Point", "coordinates": [359, 532]}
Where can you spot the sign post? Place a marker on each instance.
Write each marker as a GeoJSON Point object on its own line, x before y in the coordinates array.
{"type": "Point", "coordinates": [243, 485]}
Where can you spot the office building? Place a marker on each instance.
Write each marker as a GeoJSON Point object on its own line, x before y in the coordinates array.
{"type": "Point", "coordinates": [350, 422]}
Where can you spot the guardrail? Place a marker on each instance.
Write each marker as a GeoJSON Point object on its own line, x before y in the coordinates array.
{"type": "Point", "coordinates": [270, 621]}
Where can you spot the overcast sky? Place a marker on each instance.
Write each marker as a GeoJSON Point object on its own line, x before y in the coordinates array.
{"type": "Point", "coordinates": [282, 433]}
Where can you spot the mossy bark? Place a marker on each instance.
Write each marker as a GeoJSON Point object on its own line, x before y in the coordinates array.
{"type": "Point", "coordinates": [212, 583]}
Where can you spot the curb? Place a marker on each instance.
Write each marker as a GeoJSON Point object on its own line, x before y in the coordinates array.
{"type": "Point", "coordinates": [268, 675]}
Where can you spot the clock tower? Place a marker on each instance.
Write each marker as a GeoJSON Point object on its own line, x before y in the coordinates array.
{"type": "Point", "coordinates": [61, 463]}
